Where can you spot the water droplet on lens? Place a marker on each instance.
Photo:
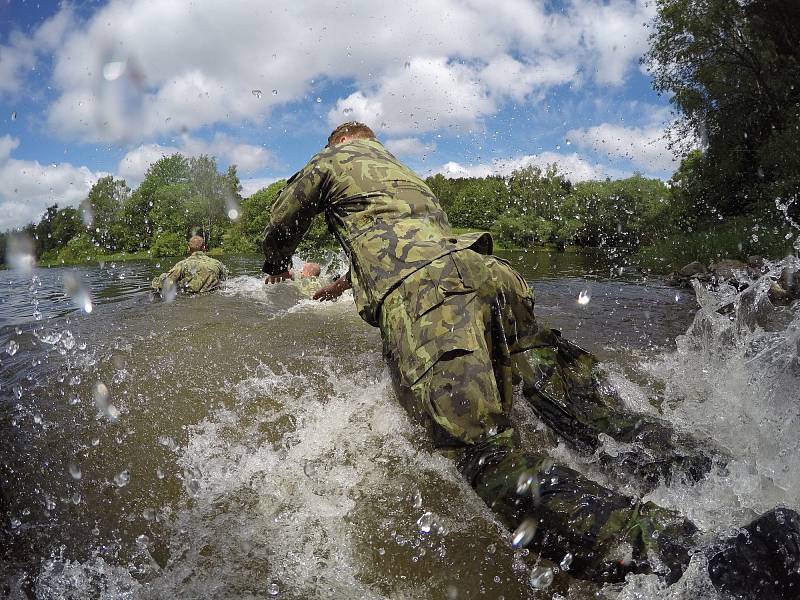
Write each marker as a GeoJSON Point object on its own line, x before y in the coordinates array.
{"type": "Point", "coordinates": [122, 479]}
{"type": "Point", "coordinates": [113, 70]}
{"type": "Point", "coordinates": [233, 214]}
{"type": "Point", "coordinates": [319, 99]}
{"type": "Point", "coordinates": [76, 498]}
{"type": "Point", "coordinates": [524, 533]}
{"type": "Point", "coordinates": [524, 483]}
{"type": "Point", "coordinates": [12, 347]}
{"type": "Point", "coordinates": [541, 577]}
{"type": "Point", "coordinates": [100, 395]}
{"type": "Point", "coordinates": [584, 297]}
{"type": "Point", "coordinates": [273, 589]}
{"type": "Point", "coordinates": [347, 111]}
{"type": "Point", "coordinates": [14, 116]}
{"type": "Point", "coordinates": [75, 471]}
{"type": "Point", "coordinates": [257, 93]}
{"type": "Point", "coordinates": [566, 562]}
{"type": "Point", "coordinates": [426, 522]}
{"type": "Point", "coordinates": [112, 412]}
{"type": "Point", "coordinates": [274, 92]}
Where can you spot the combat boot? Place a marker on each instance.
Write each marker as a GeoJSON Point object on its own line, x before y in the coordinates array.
{"type": "Point", "coordinates": [762, 561]}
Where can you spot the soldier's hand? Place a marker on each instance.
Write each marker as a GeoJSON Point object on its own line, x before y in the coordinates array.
{"type": "Point", "coordinates": [333, 290]}
{"type": "Point", "coordinates": [278, 277]}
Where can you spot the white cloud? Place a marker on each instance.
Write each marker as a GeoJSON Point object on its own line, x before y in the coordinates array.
{"type": "Point", "coordinates": [573, 166]}
{"type": "Point", "coordinates": [22, 52]}
{"type": "Point", "coordinates": [251, 186]}
{"type": "Point", "coordinates": [409, 146]}
{"type": "Point", "coordinates": [246, 157]}
{"type": "Point", "coordinates": [7, 145]}
{"type": "Point", "coordinates": [645, 147]}
{"type": "Point", "coordinates": [185, 65]}
{"type": "Point", "coordinates": [27, 188]}
{"type": "Point", "coordinates": [426, 93]}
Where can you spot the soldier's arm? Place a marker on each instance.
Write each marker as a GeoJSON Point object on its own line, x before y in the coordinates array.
{"type": "Point", "coordinates": [335, 289]}
{"type": "Point", "coordinates": [174, 275]}
{"type": "Point", "coordinates": [291, 217]}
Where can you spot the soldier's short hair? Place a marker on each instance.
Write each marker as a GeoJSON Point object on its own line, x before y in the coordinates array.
{"type": "Point", "coordinates": [196, 243]}
{"type": "Point", "coordinates": [353, 129]}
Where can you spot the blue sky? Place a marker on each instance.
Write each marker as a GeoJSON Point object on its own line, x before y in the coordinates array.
{"type": "Point", "coordinates": [461, 87]}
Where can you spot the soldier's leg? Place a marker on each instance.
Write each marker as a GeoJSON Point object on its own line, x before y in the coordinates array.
{"type": "Point", "coordinates": [570, 393]}
{"type": "Point", "coordinates": [551, 507]}
{"type": "Point", "coordinates": [602, 535]}
{"type": "Point", "coordinates": [596, 532]}
{"type": "Point", "coordinates": [460, 401]}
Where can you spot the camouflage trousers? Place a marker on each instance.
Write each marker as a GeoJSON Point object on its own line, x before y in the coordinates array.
{"type": "Point", "coordinates": [459, 334]}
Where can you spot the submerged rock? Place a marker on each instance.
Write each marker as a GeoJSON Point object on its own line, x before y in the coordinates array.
{"type": "Point", "coordinates": [728, 268]}
{"type": "Point", "coordinates": [692, 269]}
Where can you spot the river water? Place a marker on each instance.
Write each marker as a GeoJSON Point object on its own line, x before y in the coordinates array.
{"type": "Point", "coordinates": [247, 443]}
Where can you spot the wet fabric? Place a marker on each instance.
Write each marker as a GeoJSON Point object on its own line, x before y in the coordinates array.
{"type": "Point", "coordinates": [386, 219]}
{"type": "Point", "coordinates": [462, 331]}
{"type": "Point", "coordinates": [194, 274]}
{"type": "Point", "coordinates": [560, 513]}
{"type": "Point", "coordinates": [458, 335]}
{"type": "Point", "coordinates": [441, 327]}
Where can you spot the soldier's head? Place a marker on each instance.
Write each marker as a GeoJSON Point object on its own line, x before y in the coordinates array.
{"type": "Point", "coordinates": [352, 130]}
{"type": "Point", "coordinates": [310, 269]}
{"type": "Point", "coordinates": [196, 243]}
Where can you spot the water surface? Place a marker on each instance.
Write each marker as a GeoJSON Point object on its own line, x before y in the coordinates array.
{"type": "Point", "coordinates": [247, 443]}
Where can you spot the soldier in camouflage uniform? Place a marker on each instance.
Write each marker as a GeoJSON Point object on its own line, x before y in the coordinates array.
{"type": "Point", "coordinates": [459, 332]}
{"type": "Point", "coordinates": [195, 274]}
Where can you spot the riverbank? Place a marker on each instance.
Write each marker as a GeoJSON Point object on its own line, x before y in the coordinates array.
{"type": "Point", "coordinates": [736, 239]}
{"type": "Point", "coordinates": [117, 257]}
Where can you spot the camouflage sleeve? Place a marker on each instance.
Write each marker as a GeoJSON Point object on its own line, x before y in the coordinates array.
{"type": "Point", "coordinates": [174, 274]}
{"type": "Point", "coordinates": [291, 216]}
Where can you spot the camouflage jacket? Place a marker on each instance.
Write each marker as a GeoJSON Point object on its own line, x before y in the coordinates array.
{"type": "Point", "coordinates": [385, 217]}
{"type": "Point", "coordinates": [197, 273]}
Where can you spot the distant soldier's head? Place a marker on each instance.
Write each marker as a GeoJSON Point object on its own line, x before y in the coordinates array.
{"type": "Point", "coordinates": [196, 243]}
{"type": "Point", "coordinates": [352, 130]}
{"type": "Point", "coordinates": [310, 269]}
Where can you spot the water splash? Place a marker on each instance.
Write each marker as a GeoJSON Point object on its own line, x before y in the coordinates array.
{"type": "Point", "coordinates": [733, 379]}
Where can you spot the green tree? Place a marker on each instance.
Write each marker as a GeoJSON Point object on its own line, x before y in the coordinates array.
{"type": "Point", "coordinates": [731, 69]}
{"type": "Point", "coordinates": [542, 194]}
{"type": "Point", "coordinates": [55, 229]}
{"type": "Point", "coordinates": [102, 211]}
{"type": "Point", "coordinates": [170, 210]}
{"type": "Point", "coordinates": [254, 212]}
{"type": "Point", "coordinates": [213, 196]}
{"type": "Point", "coordinates": [168, 244]}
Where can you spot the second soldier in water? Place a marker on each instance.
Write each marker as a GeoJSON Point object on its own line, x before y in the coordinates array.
{"type": "Point", "coordinates": [195, 274]}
